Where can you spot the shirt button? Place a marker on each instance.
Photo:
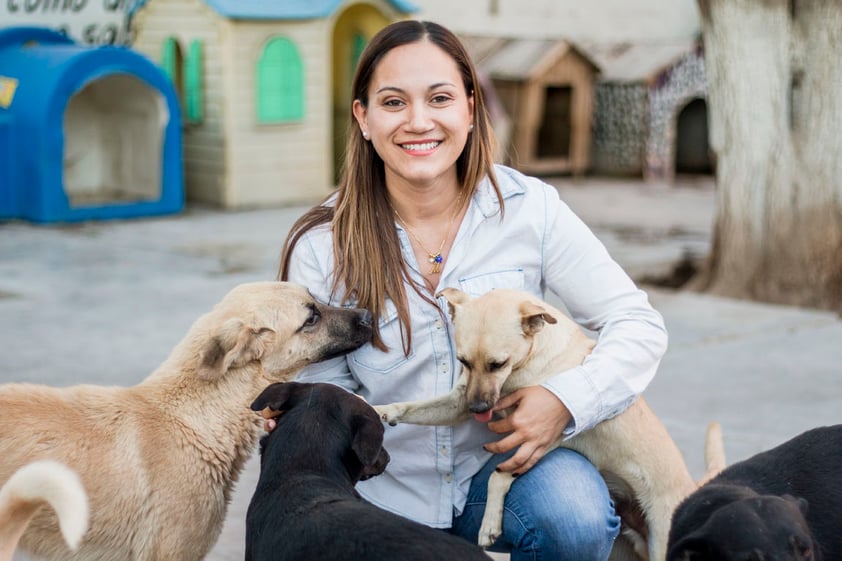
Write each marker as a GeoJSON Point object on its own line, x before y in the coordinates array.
{"type": "Point", "coordinates": [449, 478]}
{"type": "Point", "coordinates": [444, 451]}
{"type": "Point", "coordinates": [438, 324]}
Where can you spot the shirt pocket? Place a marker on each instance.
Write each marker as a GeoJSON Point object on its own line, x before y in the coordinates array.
{"type": "Point", "coordinates": [370, 358]}
{"type": "Point", "coordinates": [479, 284]}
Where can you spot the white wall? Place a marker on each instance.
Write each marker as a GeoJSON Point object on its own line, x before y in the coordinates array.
{"type": "Point", "coordinates": [592, 20]}
{"type": "Point", "coordinates": [94, 22]}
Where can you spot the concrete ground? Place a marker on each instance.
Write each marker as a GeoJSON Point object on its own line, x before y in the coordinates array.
{"type": "Point", "coordinates": [105, 302]}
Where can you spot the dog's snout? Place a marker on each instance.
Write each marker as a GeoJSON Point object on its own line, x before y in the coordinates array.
{"type": "Point", "coordinates": [480, 406]}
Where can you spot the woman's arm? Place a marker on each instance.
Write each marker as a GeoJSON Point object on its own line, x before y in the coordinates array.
{"type": "Point", "coordinates": [600, 296]}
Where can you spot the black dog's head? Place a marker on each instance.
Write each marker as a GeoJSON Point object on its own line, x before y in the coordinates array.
{"type": "Point", "coordinates": [758, 528]}
{"type": "Point", "coordinates": [322, 427]}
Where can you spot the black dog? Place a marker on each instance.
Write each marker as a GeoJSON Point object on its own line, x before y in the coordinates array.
{"type": "Point", "coordinates": [780, 505]}
{"type": "Point", "coordinates": [305, 507]}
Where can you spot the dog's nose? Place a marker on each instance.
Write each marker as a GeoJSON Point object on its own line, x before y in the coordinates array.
{"type": "Point", "coordinates": [366, 319]}
{"type": "Point", "coordinates": [480, 406]}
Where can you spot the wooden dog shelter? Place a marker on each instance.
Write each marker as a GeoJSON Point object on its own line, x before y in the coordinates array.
{"type": "Point", "coordinates": [547, 89]}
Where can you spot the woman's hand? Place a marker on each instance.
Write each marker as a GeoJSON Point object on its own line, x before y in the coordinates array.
{"type": "Point", "coordinates": [537, 422]}
{"type": "Point", "coordinates": [269, 415]}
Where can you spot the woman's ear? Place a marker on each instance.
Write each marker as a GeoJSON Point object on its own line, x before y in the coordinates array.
{"type": "Point", "coordinates": [360, 113]}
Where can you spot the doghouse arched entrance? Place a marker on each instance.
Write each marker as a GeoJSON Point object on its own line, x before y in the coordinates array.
{"type": "Point", "coordinates": [113, 142]}
{"type": "Point", "coordinates": [96, 131]}
{"type": "Point", "coordinates": [353, 29]}
{"type": "Point", "coordinates": [692, 149]}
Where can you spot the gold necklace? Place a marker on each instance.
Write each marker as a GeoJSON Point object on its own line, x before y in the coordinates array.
{"type": "Point", "coordinates": [435, 258]}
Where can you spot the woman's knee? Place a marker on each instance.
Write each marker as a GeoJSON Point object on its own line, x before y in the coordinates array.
{"type": "Point", "coordinates": [560, 510]}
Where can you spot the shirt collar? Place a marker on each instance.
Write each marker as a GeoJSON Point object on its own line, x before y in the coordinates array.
{"type": "Point", "coordinates": [509, 185]}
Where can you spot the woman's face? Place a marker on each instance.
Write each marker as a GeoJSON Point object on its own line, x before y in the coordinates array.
{"type": "Point", "coordinates": [418, 116]}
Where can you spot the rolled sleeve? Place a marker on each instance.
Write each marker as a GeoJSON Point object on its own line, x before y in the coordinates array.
{"type": "Point", "coordinates": [600, 296]}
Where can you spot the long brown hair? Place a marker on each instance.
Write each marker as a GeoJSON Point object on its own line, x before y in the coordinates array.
{"type": "Point", "coordinates": [369, 264]}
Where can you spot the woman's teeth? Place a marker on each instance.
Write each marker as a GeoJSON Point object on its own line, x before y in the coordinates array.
{"type": "Point", "coordinates": [419, 147]}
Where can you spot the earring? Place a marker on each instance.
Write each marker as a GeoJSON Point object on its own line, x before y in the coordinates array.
{"type": "Point", "coordinates": [471, 127]}
{"type": "Point", "coordinates": [365, 135]}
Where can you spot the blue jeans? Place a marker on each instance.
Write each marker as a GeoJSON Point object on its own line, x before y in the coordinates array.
{"type": "Point", "coordinates": [557, 511]}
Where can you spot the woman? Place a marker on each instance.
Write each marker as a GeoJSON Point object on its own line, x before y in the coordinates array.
{"type": "Point", "coordinates": [420, 207]}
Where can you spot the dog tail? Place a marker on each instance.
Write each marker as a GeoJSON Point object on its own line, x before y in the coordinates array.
{"type": "Point", "coordinates": [23, 495]}
{"type": "Point", "coordinates": [714, 452]}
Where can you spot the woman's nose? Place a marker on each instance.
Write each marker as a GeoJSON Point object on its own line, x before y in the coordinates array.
{"type": "Point", "coordinates": [419, 118]}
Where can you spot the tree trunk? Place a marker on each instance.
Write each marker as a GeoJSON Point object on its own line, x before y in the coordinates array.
{"type": "Point", "coordinates": [774, 71]}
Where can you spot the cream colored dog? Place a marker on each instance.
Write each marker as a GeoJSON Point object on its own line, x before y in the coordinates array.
{"type": "Point", "coordinates": [32, 487]}
{"type": "Point", "coordinates": [159, 459]}
{"type": "Point", "coordinates": [507, 340]}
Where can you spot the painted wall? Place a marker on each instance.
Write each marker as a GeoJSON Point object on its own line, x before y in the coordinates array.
{"type": "Point", "coordinates": [285, 162]}
{"type": "Point", "coordinates": [600, 20]}
{"type": "Point", "coordinates": [204, 149]}
{"type": "Point", "coordinates": [91, 22]}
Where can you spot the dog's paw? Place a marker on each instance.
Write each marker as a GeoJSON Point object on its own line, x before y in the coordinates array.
{"type": "Point", "coordinates": [389, 413]}
{"type": "Point", "coordinates": [490, 529]}
{"type": "Point", "coordinates": [488, 535]}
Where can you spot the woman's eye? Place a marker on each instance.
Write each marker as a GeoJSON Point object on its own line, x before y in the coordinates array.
{"type": "Point", "coordinates": [392, 103]}
{"type": "Point", "coordinates": [441, 98]}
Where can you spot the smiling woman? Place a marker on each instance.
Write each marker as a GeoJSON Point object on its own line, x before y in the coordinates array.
{"type": "Point", "coordinates": [420, 207]}
{"type": "Point", "coordinates": [418, 118]}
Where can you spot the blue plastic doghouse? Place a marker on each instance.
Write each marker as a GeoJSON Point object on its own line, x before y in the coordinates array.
{"type": "Point", "coordinates": [85, 132]}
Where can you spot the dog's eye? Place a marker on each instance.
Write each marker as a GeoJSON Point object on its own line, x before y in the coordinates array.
{"type": "Point", "coordinates": [493, 366]}
{"type": "Point", "coordinates": [464, 362]}
{"type": "Point", "coordinates": [313, 319]}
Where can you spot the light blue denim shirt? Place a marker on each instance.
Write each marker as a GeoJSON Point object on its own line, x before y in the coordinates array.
{"type": "Point", "coordinates": [539, 244]}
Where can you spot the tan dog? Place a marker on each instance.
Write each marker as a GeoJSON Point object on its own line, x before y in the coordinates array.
{"type": "Point", "coordinates": [30, 488]}
{"type": "Point", "coordinates": [159, 459]}
{"type": "Point", "coordinates": [509, 339]}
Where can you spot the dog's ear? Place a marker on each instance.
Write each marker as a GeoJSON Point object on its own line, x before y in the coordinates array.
{"type": "Point", "coordinates": [800, 502]}
{"type": "Point", "coordinates": [533, 317]}
{"type": "Point", "coordinates": [454, 297]}
{"type": "Point", "coordinates": [234, 345]}
{"type": "Point", "coordinates": [275, 396]}
{"type": "Point", "coordinates": [367, 444]}
{"type": "Point", "coordinates": [688, 549]}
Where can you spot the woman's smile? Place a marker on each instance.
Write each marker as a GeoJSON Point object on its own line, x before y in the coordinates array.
{"type": "Point", "coordinates": [421, 148]}
{"type": "Point", "coordinates": [418, 114]}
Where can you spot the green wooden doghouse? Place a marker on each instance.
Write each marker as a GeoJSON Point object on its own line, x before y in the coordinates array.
{"type": "Point", "coordinates": [265, 89]}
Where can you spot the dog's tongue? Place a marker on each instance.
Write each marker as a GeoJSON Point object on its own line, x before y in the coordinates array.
{"type": "Point", "coordinates": [483, 417]}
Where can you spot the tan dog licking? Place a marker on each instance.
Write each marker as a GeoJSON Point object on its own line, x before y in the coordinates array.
{"type": "Point", "coordinates": [34, 486]}
{"type": "Point", "coordinates": [159, 459]}
{"type": "Point", "coordinates": [508, 339]}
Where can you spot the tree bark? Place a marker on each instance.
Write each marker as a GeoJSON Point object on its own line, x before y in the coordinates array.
{"type": "Point", "coordinates": [774, 72]}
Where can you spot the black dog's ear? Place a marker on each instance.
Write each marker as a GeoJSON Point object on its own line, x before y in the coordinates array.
{"type": "Point", "coordinates": [274, 396]}
{"type": "Point", "coordinates": [368, 444]}
{"type": "Point", "coordinates": [800, 502]}
{"type": "Point", "coordinates": [689, 549]}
